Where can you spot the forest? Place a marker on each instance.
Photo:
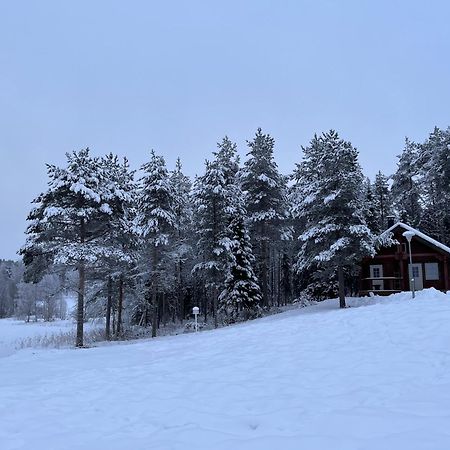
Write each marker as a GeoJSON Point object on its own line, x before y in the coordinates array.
{"type": "Point", "coordinates": [140, 248]}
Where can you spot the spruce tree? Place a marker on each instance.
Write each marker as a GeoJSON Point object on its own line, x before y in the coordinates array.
{"type": "Point", "coordinates": [382, 201]}
{"type": "Point", "coordinates": [241, 296]}
{"type": "Point", "coordinates": [157, 223]}
{"type": "Point", "coordinates": [212, 212]}
{"type": "Point", "coordinates": [183, 240]}
{"type": "Point", "coordinates": [121, 238]}
{"type": "Point", "coordinates": [370, 214]}
{"type": "Point", "coordinates": [406, 192]}
{"type": "Point", "coordinates": [434, 161]}
{"type": "Point", "coordinates": [265, 200]}
{"type": "Point", "coordinates": [329, 202]}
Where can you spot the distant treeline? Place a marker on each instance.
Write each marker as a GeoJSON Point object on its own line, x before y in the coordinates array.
{"type": "Point", "coordinates": [44, 300]}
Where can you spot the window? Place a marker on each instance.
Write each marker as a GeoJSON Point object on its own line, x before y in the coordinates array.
{"type": "Point", "coordinates": [404, 249]}
{"type": "Point", "coordinates": [376, 274]}
{"type": "Point", "coordinates": [432, 271]}
{"type": "Point", "coordinates": [415, 272]}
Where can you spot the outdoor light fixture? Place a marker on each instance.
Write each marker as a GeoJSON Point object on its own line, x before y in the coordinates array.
{"type": "Point", "coordinates": [409, 235]}
{"type": "Point", "coordinates": [196, 311]}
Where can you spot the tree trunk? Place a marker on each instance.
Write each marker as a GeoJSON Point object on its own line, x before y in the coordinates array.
{"type": "Point", "coordinates": [81, 290]}
{"type": "Point", "coordinates": [215, 303]}
{"type": "Point", "coordinates": [164, 309]}
{"type": "Point", "coordinates": [154, 292]}
{"type": "Point", "coordinates": [120, 306]}
{"type": "Point", "coordinates": [154, 315]}
{"type": "Point", "coordinates": [341, 287]}
{"type": "Point", "coordinates": [80, 305]}
{"type": "Point", "coordinates": [180, 292]}
{"type": "Point", "coordinates": [264, 277]}
{"type": "Point", "coordinates": [108, 310]}
{"type": "Point", "coordinates": [205, 304]}
{"type": "Point", "coordinates": [114, 321]}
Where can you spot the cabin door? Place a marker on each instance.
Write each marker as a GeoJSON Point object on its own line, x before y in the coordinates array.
{"type": "Point", "coordinates": [376, 271]}
{"type": "Point", "coordinates": [417, 275]}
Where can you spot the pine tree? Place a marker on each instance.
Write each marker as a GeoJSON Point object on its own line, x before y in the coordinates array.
{"type": "Point", "coordinates": [405, 186]}
{"type": "Point", "coordinates": [382, 201]}
{"type": "Point", "coordinates": [183, 239]}
{"type": "Point", "coordinates": [330, 204]}
{"type": "Point", "coordinates": [265, 200]}
{"type": "Point", "coordinates": [211, 201]}
{"type": "Point", "coordinates": [370, 214]}
{"type": "Point", "coordinates": [121, 194]}
{"type": "Point", "coordinates": [434, 162]}
{"type": "Point", "coordinates": [241, 297]}
{"type": "Point", "coordinates": [157, 223]}
{"type": "Point", "coordinates": [68, 224]}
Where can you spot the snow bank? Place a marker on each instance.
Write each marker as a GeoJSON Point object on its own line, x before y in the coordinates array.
{"type": "Point", "coordinates": [374, 376]}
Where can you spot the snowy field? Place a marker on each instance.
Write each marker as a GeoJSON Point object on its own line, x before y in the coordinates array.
{"type": "Point", "coordinates": [17, 334]}
{"type": "Point", "coordinates": [371, 377]}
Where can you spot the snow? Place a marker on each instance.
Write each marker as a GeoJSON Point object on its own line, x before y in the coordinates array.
{"type": "Point", "coordinates": [16, 334]}
{"type": "Point", "coordinates": [374, 376]}
{"type": "Point", "coordinates": [80, 187]}
{"type": "Point", "coordinates": [329, 198]}
{"type": "Point", "coordinates": [106, 208]}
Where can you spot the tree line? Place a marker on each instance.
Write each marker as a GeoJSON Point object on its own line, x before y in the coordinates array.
{"type": "Point", "coordinates": [237, 240]}
{"type": "Point", "coordinates": [44, 300]}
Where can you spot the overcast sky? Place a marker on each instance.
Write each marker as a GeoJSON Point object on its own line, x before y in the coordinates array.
{"type": "Point", "coordinates": [177, 76]}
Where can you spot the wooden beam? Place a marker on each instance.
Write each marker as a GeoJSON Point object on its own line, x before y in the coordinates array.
{"type": "Point", "coordinates": [446, 274]}
{"type": "Point", "coordinates": [402, 273]}
{"type": "Point", "coordinates": [405, 256]}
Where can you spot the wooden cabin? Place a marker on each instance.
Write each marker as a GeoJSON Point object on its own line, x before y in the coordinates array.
{"type": "Point", "coordinates": [388, 271]}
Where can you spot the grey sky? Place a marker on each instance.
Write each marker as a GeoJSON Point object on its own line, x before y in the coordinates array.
{"type": "Point", "coordinates": [177, 76]}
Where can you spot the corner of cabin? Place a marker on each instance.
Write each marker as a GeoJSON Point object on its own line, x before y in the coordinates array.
{"type": "Point", "coordinates": [390, 270]}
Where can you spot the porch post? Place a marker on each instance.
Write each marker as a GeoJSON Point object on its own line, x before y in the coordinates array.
{"type": "Point", "coordinates": [445, 274]}
{"type": "Point", "coordinates": [402, 274]}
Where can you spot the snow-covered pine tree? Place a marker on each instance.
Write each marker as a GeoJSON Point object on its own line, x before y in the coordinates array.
{"type": "Point", "coordinates": [329, 202]}
{"type": "Point", "coordinates": [211, 205]}
{"type": "Point", "coordinates": [183, 241]}
{"type": "Point", "coordinates": [285, 251]}
{"type": "Point", "coordinates": [265, 200]}
{"type": "Point", "coordinates": [157, 224]}
{"type": "Point", "coordinates": [369, 207]}
{"type": "Point", "coordinates": [434, 162]}
{"type": "Point", "coordinates": [241, 296]}
{"type": "Point", "coordinates": [405, 190]}
{"type": "Point", "coordinates": [68, 223]}
{"type": "Point", "coordinates": [120, 192]}
{"type": "Point", "coordinates": [382, 201]}
{"type": "Point", "coordinates": [306, 179]}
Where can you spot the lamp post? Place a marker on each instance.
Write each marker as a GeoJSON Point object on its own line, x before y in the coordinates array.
{"type": "Point", "coordinates": [409, 235]}
{"type": "Point", "coordinates": [195, 311]}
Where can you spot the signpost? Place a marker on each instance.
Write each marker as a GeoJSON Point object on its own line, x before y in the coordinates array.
{"type": "Point", "coordinates": [196, 311]}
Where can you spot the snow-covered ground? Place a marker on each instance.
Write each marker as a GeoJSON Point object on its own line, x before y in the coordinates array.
{"type": "Point", "coordinates": [17, 334]}
{"type": "Point", "coordinates": [368, 378]}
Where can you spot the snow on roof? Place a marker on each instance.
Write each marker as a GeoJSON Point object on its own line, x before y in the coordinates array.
{"type": "Point", "coordinates": [418, 234]}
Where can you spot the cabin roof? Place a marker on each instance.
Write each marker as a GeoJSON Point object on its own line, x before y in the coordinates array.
{"type": "Point", "coordinates": [418, 233]}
